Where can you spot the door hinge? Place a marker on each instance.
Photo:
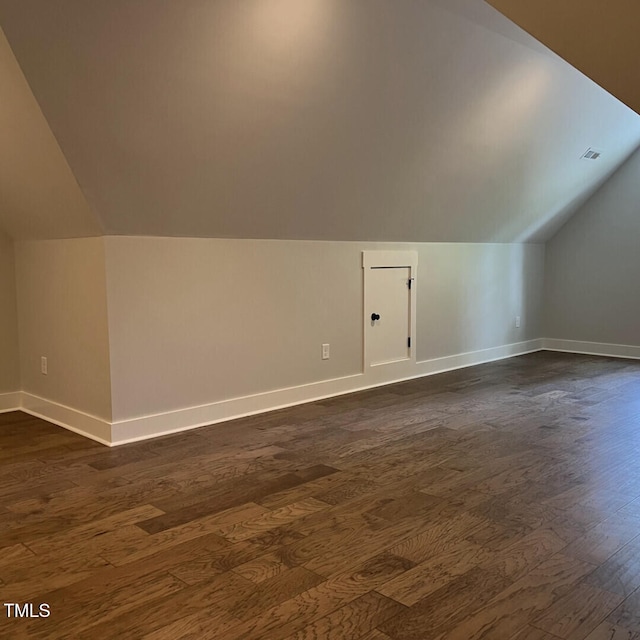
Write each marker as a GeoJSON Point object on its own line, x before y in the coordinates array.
{"type": "Point", "coordinates": [409, 281]}
{"type": "Point", "coordinates": [409, 342]}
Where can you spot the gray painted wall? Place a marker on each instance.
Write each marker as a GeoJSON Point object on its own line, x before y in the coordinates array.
{"type": "Point", "coordinates": [592, 290]}
{"type": "Point", "coordinates": [9, 369]}
{"type": "Point", "coordinates": [62, 314]}
{"type": "Point", "coordinates": [195, 321]}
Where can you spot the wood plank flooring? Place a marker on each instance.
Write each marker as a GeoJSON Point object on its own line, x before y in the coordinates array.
{"type": "Point", "coordinates": [495, 502]}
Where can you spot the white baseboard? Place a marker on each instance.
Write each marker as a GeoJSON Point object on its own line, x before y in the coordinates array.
{"type": "Point", "coordinates": [473, 358]}
{"type": "Point", "coordinates": [151, 426]}
{"type": "Point", "coordinates": [592, 348]}
{"type": "Point", "coordinates": [77, 421]}
{"type": "Point", "coordinates": [9, 402]}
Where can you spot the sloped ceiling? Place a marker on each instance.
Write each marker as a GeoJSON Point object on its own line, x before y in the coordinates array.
{"type": "Point", "coordinates": [320, 119]}
{"type": "Point", "coordinates": [599, 38]}
{"type": "Point", "coordinates": [39, 196]}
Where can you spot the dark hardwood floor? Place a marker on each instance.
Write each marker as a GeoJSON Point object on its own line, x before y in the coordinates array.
{"type": "Point", "coordinates": [500, 501]}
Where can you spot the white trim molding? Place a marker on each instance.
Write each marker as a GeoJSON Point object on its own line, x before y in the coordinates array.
{"type": "Point", "coordinates": [77, 421]}
{"type": "Point", "coordinates": [592, 348]}
{"type": "Point", "coordinates": [473, 358]}
{"type": "Point", "coordinates": [151, 426]}
{"type": "Point", "coordinates": [372, 261]}
{"type": "Point", "coordinates": [145, 427]}
{"type": "Point", "coordinates": [375, 258]}
{"type": "Point", "coordinates": [9, 402]}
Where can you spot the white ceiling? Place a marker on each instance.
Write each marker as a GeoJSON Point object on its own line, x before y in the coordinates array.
{"type": "Point", "coordinates": [315, 119]}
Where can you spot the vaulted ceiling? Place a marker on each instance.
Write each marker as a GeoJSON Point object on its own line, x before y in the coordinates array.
{"type": "Point", "coordinates": [437, 120]}
{"type": "Point", "coordinates": [599, 38]}
{"type": "Point", "coordinates": [39, 195]}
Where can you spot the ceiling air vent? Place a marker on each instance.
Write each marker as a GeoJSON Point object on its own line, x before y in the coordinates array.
{"type": "Point", "coordinates": [591, 154]}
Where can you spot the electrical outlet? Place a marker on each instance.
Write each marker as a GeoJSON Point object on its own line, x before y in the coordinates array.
{"type": "Point", "coordinates": [325, 351]}
{"type": "Point", "coordinates": [517, 322]}
{"type": "Point", "coordinates": [43, 366]}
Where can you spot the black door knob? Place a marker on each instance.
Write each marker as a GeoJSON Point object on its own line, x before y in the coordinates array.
{"type": "Point", "coordinates": [375, 316]}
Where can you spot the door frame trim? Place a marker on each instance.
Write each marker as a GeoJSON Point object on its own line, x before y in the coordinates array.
{"type": "Point", "coordinates": [380, 260]}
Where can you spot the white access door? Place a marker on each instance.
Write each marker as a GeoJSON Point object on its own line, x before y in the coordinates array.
{"type": "Point", "coordinates": [388, 315]}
